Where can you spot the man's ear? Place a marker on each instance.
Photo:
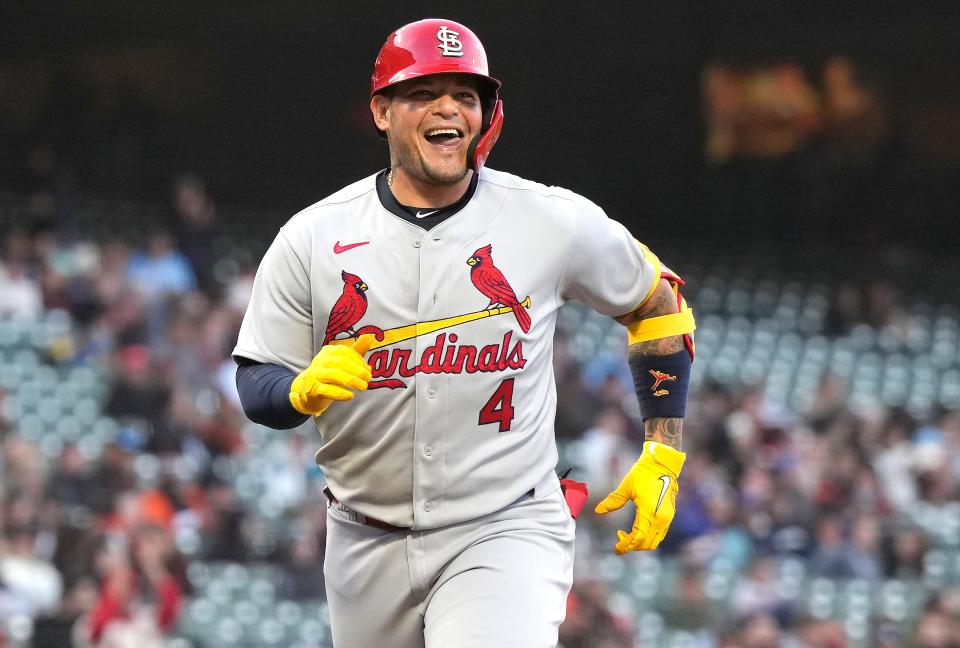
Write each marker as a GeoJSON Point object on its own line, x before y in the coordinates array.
{"type": "Point", "coordinates": [380, 107]}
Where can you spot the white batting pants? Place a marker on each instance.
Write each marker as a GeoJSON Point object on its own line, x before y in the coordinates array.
{"type": "Point", "coordinates": [500, 581]}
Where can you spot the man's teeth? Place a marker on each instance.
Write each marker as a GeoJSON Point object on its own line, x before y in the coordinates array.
{"type": "Point", "coordinates": [452, 132]}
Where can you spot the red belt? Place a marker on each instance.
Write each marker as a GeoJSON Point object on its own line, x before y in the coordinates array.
{"type": "Point", "coordinates": [360, 517]}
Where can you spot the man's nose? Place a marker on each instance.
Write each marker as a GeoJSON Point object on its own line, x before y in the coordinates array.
{"type": "Point", "coordinates": [446, 105]}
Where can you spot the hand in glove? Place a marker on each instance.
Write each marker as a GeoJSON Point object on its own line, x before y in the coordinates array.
{"type": "Point", "coordinates": [336, 370]}
{"type": "Point", "coordinates": [652, 485]}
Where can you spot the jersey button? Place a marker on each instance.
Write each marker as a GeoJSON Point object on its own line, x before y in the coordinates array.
{"type": "Point", "coordinates": [431, 393]}
{"type": "Point", "coordinates": [416, 244]}
{"type": "Point", "coordinates": [428, 506]}
{"type": "Point", "coordinates": [428, 450]}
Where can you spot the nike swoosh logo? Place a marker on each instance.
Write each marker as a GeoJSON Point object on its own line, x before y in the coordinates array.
{"type": "Point", "coordinates": [663, 491]}
{"type": "Point", "coordinates": [419, 215]}
{"type": "Point", "coordinates": [339, 249]}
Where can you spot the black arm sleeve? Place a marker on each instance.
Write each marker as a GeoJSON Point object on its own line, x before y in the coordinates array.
{"type": "Point", "coordinates": [265, 394]}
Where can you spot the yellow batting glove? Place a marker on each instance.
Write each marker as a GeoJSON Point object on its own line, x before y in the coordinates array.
{"type": "Point", "coordinates": [652, 485]}
{"type": "Point", "coordinates": [336, 370]}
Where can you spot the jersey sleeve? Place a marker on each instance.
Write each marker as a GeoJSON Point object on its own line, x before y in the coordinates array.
{"type": "Point", "coordinates": [278, 325]}
{"type": "Point", "coordinates": [607, 268]}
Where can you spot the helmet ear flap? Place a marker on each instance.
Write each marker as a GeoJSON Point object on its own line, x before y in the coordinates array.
{"type": "Point", "coordinates": [482, 144]}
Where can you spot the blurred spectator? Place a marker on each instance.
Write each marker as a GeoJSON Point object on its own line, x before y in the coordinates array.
{"type": "Point", "coordinates": [864, 553]}
{"type": "Point", "coordinates": [20, 294]}
{"type": "Point", "coordinates": [590, 622]}
{"type": "Point", "coordinates": [111, 278]}
{"type": "Point", "coordinates": [574, 410]}
{"type": "Point", "coordinates": [760, 631]}
{"type": "Point", "coordinates": [607, 451]}
{"type": "Point", "coordinates": [608, 383]}
{"type": "Point", "coordinates": [302, 570]}
{"type": "Point", "coordinates": [70, 479]}
{"type": "Point", "coordinates": [729, 542]}
{"type": "Point", "coordinates": [846, 309]}
{"type": "Point", "coordinates": [757, 593]}
{"type": "Point", "coordinates": [161, 269]}
{"type": "Point", "coordinates": [830, 402]}
{"type": "Point", "coordinates": [140, 597]}
{"type": "Point", "coordinates": [710, 414]}
{"type": "Point", "coordinates": [905, 551]}
{"type": "Point", "coordinates": [223, 528]}
{"type": "Point", "coordinates": [936, 630]}
{"type": "Point", "coordinates": [65, 626]}
{"type": "Point", "coordinates": [831, 558]}
{"type": "Point", "coordinates": [821, 633]}
{"type": "Point", "coordinates": [883, 307]}
{"type": "Point", "coordinates": [29, 585]}
{"type": "Point", "coordinates": [196, 228]}
{"type": "Point", "coordinates": [887, 635]}
{"type": "Point", "coordinates": [894, 462]}
{"type": "Point", "coordinates": [113, 474]}
{"type": "Point", "coordinates": [698, 485]}
{"type": "Point", "coordinates": [836, 489]}
{"type": "Point", "coordinates": [948, 422]}
{"type": "Point", "coordinates": [138, 391]}
{"type": "Point", "coordinates": [687, 607]}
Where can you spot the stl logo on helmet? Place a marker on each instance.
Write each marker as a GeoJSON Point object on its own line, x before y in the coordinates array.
{"type": "Point", "coordinates": [449, 42]}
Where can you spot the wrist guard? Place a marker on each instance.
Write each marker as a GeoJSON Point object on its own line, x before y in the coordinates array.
{"type": "Point", "coordinates": [661, 383]}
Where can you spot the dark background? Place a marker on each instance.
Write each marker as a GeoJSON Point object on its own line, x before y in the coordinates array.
{"type": "Point", "coordinates": [268, 102]}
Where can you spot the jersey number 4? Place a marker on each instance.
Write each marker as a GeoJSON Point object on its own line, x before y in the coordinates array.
{"type": "Point", "coordinates": [499, 409]}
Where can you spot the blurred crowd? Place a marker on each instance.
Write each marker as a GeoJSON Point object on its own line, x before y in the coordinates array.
{"type": "Point", "coordinates": [854, 496]}
{"type": "Point", "coordinates": [95, 547]}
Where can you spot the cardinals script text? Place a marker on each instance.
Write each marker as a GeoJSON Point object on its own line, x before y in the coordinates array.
{"type": "Point", "coordinates": [445, 356]}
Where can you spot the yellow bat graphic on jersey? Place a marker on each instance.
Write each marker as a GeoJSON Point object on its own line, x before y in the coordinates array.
{"type": "Point", "coordinates": [402, 333]}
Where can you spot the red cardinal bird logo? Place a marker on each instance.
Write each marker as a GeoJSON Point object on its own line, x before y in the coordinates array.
{"type": "Point", "coordinates": [350, 307]}
{"type": "Point", "coordinates": [494, 286]}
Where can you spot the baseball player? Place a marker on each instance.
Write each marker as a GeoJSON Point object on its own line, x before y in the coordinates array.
{"type": "Point", "coordinates": [411, 316]}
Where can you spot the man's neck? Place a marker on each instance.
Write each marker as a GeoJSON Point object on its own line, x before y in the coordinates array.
{"type": "Point", "coordinates": [416, 193]}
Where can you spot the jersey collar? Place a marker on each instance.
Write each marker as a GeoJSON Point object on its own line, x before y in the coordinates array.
{"type": "Point", "coordinates": [429, 217]}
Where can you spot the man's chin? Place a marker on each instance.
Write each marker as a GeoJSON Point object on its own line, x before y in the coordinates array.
{"type": "Point", "coordinates": [445, 175]}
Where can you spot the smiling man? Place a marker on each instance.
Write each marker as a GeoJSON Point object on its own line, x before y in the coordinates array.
{"type": "Point", "coordinates": [410, 315]}
{"type": "Point", "coordinates": [429, 123]}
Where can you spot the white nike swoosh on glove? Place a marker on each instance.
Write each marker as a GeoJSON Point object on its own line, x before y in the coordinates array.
{"type": "Point", "coordinates": [663, 491]}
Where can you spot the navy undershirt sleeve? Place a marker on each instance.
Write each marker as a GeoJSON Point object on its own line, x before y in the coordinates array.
{"type": "Point", "coordinates": [265, 394]}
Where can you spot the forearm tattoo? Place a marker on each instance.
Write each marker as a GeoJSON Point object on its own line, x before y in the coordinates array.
{"type": "Point", "coordinates": [668, 431]}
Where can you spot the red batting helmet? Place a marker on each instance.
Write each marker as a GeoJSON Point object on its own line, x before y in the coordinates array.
{"type": "Point", "coordinates": [437, 46]}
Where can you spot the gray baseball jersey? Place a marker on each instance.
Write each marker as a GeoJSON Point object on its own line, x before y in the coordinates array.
{"type": "Point", "coordinates": [458, 420]}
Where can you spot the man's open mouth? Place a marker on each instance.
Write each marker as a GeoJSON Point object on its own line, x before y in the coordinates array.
{"type": "Point", "coordinates": [444, 137]}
